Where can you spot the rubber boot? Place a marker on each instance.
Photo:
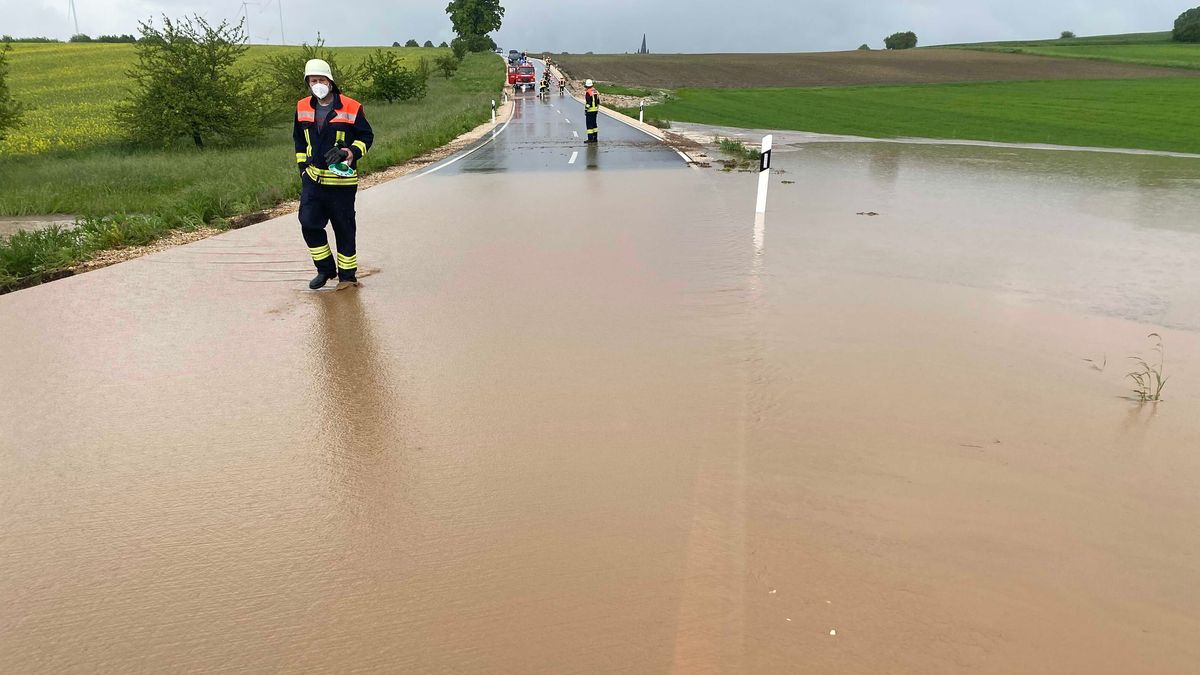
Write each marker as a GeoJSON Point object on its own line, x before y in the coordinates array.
{"type": "Point", "coordinates": [320, 280]}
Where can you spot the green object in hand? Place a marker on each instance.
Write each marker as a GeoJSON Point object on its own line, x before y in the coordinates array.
{"type": "Point", "coordinates": [336, 159]}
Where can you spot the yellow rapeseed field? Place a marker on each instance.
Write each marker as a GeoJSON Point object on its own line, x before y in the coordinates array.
{"type": "Point", "coordinates": [71, 90]}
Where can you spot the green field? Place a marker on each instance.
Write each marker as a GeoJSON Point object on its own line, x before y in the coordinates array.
{"type": "Point", "coordinates": [1170, 55]}
{"type": "Point", "coordinates": [68, 156]}
{"type": "Point", "coordinates": [72, 89]}
{"type": "Point", "coordinates": [1119, 39]}
{"type": "Point", "coordinates": [1158, 114]}
{"type": "Point", "coordinates": [1146, 49]}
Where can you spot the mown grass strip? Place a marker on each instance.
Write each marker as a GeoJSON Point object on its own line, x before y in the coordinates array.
{"type": "Point", "coordinates": [621, 90]}
{"type": "Point", "coordinates": [1151, 114]}
{"type": "Point", "coordinates": [1168, 55]}
{"type": "Point", "coordinates": [1158, 37]}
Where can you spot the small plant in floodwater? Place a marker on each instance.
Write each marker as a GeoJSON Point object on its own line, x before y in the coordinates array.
{"type": "Point", "coordinates": [1148, 379]}
{"type": "Point", "coordinates": [738, 150]}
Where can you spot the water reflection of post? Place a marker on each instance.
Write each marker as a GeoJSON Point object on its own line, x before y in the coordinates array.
{"type": "Point", "coordinates": [884, 162]}
{"type": "Point", "coordinates": [760, 235]}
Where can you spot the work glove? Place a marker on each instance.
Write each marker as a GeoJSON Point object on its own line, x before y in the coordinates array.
{"type": "Point", "coordinates": [336, 154]}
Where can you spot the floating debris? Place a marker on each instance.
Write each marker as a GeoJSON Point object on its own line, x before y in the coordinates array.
{"type": "Point", "coordinates": [867, 213]}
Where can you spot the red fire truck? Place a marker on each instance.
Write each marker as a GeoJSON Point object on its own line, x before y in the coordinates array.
{"type": "Point", "coordinates": [522, 76]}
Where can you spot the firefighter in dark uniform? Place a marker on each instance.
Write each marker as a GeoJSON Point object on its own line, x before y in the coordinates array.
{"type": "Point", "coordinates": [591, 107]}
{"type": "Point", "coordinates": [331, 130]}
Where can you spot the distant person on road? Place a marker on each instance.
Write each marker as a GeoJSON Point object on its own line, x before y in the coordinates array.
{"type": "Point", "coordinates": [331, 134]}
{"type": "Point", "coordinates": [591, 107]}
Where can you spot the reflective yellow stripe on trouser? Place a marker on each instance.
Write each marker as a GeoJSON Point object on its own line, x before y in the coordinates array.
{"type": "Point", "coordinates": [320, 253]}
{"type": "Point", "coordinates": [347, 262]}
{"type": "Point", "coordinates": [327, 177]}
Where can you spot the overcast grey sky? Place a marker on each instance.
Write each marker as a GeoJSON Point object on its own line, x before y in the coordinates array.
{"type": "Point", "coordinates": [617, 25]}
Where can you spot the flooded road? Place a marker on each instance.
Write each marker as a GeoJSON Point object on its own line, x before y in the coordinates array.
{"type": "Point", "coordinates": [618, 431]}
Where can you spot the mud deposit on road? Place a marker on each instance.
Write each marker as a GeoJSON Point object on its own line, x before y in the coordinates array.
{"type": "Point", "coordinates": [636, 437]}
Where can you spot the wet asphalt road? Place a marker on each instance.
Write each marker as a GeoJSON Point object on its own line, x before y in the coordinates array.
{"type": "Point", "coordinates": [547, 135]}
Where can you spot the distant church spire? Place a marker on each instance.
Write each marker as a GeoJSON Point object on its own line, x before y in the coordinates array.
{"type": "Point", "coordinates": [643, 50]}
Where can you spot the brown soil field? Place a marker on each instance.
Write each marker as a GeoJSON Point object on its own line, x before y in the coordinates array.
{"type": "Point", "coordinates": [673, 71]}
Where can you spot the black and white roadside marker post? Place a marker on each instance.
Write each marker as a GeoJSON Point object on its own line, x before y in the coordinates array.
{"type": "Point", "coordinates": [493, 111]}
{"type": "Point", "coordinates": [642, 112]}
{"type": "Point", "coordinates": [764, 180]}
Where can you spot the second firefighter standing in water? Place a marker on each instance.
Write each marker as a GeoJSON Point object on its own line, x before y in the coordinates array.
{"type": "Point", "coordinates": [330, 129]}
{"type": "Point", "coordinates": [591, 107]}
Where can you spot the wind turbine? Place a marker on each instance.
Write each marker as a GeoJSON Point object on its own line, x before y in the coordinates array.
{"type": "Point", "coordinates": [264, 5]}
{"type": "Point", "coordinates": [245, 16]}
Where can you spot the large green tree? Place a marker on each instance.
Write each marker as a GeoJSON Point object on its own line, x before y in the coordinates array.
{"type": "Point", "coordinates": [474, 19]}
{"type": "Point", "coordinates": [188, 85]}
{"type": "Point", "coordinates": [1187, 26]}
{"type": "Point", "coordinates": [905, 40]}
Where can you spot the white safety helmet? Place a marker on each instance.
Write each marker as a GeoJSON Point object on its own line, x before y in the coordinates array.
{"type": "Point", "coordinates": [589, 83]}
{"type": "Point", "coordinates": [317, 67]}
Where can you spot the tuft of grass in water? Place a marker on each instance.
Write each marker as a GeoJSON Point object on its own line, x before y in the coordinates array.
{"type": "Point", "coordinates": [1148, 378]}
{"type": "Point", "coordinates": [742, 156]}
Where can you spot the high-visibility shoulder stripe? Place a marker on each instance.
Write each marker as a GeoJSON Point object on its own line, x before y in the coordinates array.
{"type": "Point", "coordinates": [305, 111]}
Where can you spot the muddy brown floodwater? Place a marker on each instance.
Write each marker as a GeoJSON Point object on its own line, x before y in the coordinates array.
{"type": "Point", "coordinates": [649, 441]}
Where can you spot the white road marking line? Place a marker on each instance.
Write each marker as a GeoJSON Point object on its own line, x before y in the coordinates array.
{"type": "Point", "coordinates": [466, 154]}
{"type": "Point", "coordinates": [566, 120]}
{"type": "Point", "coordinates": [575, 133]}
{"type": "Point", "coordinates": [558, 111]}
{"type": "Point", "coordinates": [574, 156]}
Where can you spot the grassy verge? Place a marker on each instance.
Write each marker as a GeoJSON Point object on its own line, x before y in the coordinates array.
{"type": "Point", "coordinates": [127, 195]}
{"type": "Point", "coordinates": [1153, 114]}
{"type": "Point", "coordinates": [620, 90]}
